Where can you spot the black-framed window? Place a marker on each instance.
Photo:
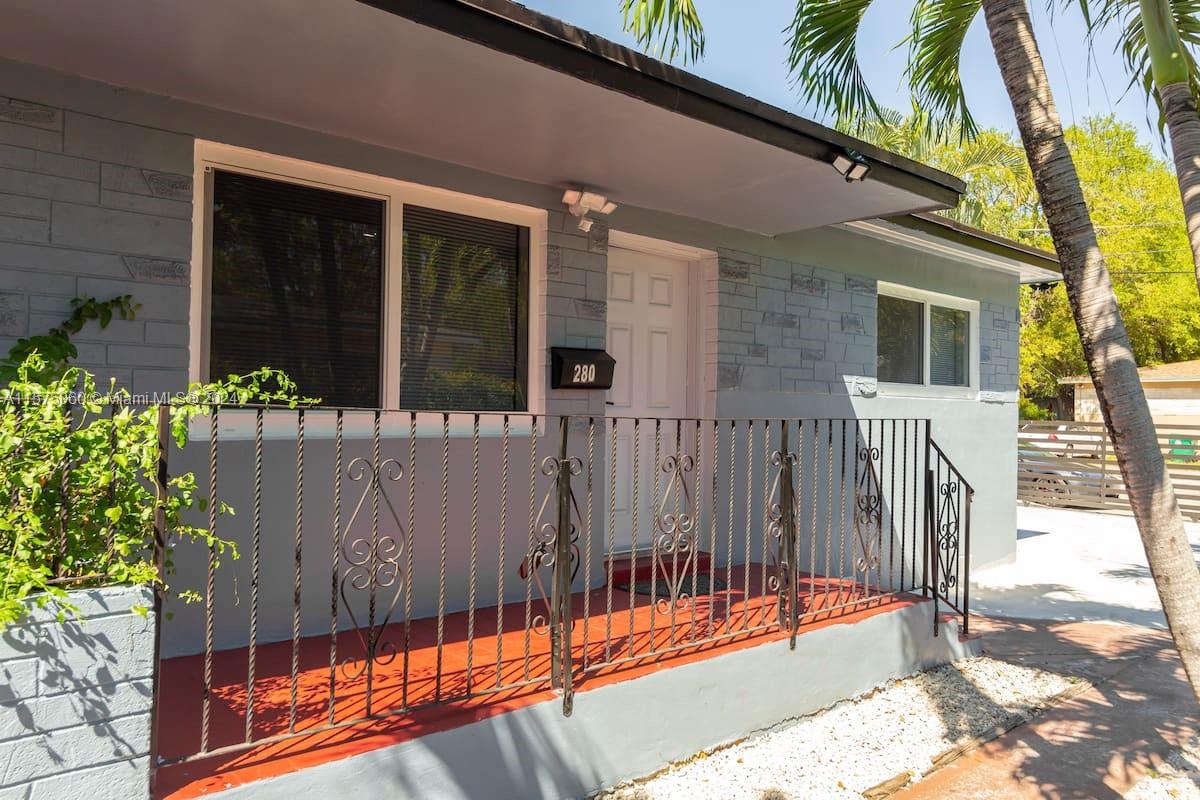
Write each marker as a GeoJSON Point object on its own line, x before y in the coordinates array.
{"type": "Point", "coordinates": [901, 334]}
{"type": "Point", "coordinates": [465, 312]}
{"type": "Point", "coordinates": [949, 342]}
{"type": "Point", "coordinates": [922, 343]}
{"type": "Point", "coordinates": [297, 284]}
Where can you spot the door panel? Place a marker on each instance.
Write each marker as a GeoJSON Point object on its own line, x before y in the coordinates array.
{"type": "Point", "coordinates": [648, 337]}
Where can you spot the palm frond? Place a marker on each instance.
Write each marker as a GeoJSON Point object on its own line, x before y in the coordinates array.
{"type": "Point", "coordinates": [939, 28]}
{"type": "Point", "coordinates": [666, 28]}
{"type": "Point", "coordinates": [1126, 15]}
{"type": "Point", "coordinates": [823, 58]}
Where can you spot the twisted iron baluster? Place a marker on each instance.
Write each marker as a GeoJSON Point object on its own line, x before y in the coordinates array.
{"type": "Point", "coordinates": [612, 539]}
{"type": "Point", "coordinates": [474, 551]}
{"type": "Point", "coordinates": [296, 576]}
{"type": "Point", "coordinates": [335, 561]}
{"type": "Point", "coordinates": [501, 559]}
{"type": "Point", "coordinates": [251, 671]}
{"type": "Point", "coordinates": [210, 581]}
{"type": "Point", "coordinates": [442, 532]}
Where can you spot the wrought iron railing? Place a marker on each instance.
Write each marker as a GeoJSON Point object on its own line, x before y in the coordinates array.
{"type": "Point", "coordinates": [393, 561]}
{"type": "Point", "coordinates": [948, 512]}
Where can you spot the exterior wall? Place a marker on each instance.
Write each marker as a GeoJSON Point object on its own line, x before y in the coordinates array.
{"type": "Point", "coordinates": [999, 347]}
{"type": "Point", "coordinates": [768, 363]}
{"type": "Point", "coordinates": [576, 301]}
{"type": "Point", "coordinates": [784, 326]}
{"type": "Point", "coordinates": [789, 320]}
{"type": "Point", "coordinates": [75, 700]}
{"type": "Point", "coordinates": [90, 206]}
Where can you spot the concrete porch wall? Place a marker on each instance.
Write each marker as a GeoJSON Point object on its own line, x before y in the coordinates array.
{"type": "Point", "coordinates": [535, 753]}
{"type": "Point", "coordinates": [75, 700]}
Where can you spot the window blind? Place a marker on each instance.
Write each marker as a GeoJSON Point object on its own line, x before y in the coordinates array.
{"type": "Point", "coordinates": [464, 323]}
{"type": "Point", "coordinates": [297, 275]}
{"type": "Point", "coordinates": [900, 346]}
{"type": "Point", "coordinates": [948, 334]}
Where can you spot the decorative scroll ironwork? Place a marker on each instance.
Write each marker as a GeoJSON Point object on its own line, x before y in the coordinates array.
{"type": "Point", "coordinates": [868, 511]}
{"type": "Point", "coordinates": [374, 565]}
{"type": "Point", "coordinates": [676, 532]}
{"type": "Point", "coordinates": [782, 515]}
{"type": "Point", "coordinates": [775, 517]}
{"type": "Point", "coordinates": [542, 553]}
{"type": "Point", "coordinates": [947, 533]}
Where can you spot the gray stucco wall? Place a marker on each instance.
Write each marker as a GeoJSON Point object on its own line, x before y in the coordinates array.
{"type": "Point", "coordinates": [999, 334]}
{"type": "Point", "coordinates": [576, 300]}
{"type": "Point", "coordinates": [75, 700]}
{"type": "Point", "coordinates": [94, 207]}
{"type": "Point", "coordinates": [789, 327]}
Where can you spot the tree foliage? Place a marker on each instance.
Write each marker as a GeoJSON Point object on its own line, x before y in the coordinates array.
{"type": "Point", "coordinates": [1000, 195]}
{"type": "Point", "coordinates": [1134, 201]}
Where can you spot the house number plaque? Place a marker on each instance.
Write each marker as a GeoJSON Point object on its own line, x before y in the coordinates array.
{"type": "Point", "coordinates": [580, 368]}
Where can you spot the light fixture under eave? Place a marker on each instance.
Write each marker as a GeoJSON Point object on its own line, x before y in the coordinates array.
{"type": "Point", "coordinates": [851, 165]}
{"type": "Point", "coordinates": [581, 203]}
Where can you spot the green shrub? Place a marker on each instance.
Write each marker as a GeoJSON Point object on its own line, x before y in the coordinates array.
{"type": "Point", "coordinates": [77, 496]}
{"type": "Point", "coordinates": [55, 347]}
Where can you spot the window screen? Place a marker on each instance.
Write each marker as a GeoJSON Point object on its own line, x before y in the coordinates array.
{"type": "Point", "coordinates": [464, 324]}
{"type": "Point", "coordinates": [900, 347]}
{"type": "Point", "coordinates": [948, 341]}
{"type": "Point", "coordinates": [297, 277]}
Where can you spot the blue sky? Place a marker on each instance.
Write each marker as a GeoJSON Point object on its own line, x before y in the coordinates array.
{"type": "Point", "coordinates": [745, 51]}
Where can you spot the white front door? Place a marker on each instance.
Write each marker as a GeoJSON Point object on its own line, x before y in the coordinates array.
{"type": "Point", "coordinates": [648, 337]}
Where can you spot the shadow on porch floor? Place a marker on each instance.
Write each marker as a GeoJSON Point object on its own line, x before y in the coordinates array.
{"type": "Point", "coordinates": [481, 674]}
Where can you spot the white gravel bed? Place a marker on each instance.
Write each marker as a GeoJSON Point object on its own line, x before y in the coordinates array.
{"type": "Point", "coordinates": [859, 743]}
{"type": "Point", "coordinates": [1179, 778]}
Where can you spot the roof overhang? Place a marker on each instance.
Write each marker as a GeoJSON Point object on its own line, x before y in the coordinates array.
{"type": "Point", "coordinates": [488, 85]}
{"type": "Point", "coordinates": [942, 236]}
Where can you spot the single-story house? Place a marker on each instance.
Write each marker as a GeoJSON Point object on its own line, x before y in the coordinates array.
{"type": "Point", "coordinates": [477, 569]}
{"type": "Point", "coordinates": [1172, 390]}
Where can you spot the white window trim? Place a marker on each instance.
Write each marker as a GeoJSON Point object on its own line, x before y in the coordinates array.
{"type": "Point", "coordinates": [928, 299]}
{"type": "Point", "coordinates": [395, 193]}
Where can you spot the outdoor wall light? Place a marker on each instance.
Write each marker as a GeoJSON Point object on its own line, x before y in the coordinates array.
{"type": "Point", "coordinates": [581, 203]}
{"type": "Point", "coordinates": [851, 165]}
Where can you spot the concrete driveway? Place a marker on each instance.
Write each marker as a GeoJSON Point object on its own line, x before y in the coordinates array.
{"type": "Point", "coordinates": [1073, 565]}
{"type": "Point", "coordinates": [1079, 600]}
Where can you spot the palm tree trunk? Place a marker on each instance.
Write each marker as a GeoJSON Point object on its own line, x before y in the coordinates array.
{"type": "Point", "coordinates": [1183, 125]}
{"type": "Point", "coordinates": [1101, 328]}
{"type": "Point", "coordinates": [1169, 68]}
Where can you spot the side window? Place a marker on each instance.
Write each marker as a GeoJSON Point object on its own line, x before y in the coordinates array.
{"type": "Point", "coordinates": [296, 284]}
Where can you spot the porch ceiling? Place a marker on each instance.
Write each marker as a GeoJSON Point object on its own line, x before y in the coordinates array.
{"type": "Point", "coordinates": [499, 89]}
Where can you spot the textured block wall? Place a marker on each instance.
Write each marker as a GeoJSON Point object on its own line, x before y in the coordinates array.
{"type": "Point", "coordinates": [789, 327]}
{"type": "Point", "coordinates": [75, 701]}
{"type": "Point", "coordinates": [999, 347]}
{"type": "Point", "coordinates": [576, 301]}
{"type": "Point", "coordinates": [91, 207]}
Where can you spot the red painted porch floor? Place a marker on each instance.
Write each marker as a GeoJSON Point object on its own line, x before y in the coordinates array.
{"type": "Point", "coordinates": [436, 706]}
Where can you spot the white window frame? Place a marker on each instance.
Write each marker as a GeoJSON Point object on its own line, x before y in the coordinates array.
{"type": "Point", "coordinates": [927, 300]}
{"type": "Point", "coordinates": [210, 156]}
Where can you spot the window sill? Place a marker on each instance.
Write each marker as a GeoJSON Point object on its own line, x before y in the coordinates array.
{"type": "Point", "coordinates": [928, 391]}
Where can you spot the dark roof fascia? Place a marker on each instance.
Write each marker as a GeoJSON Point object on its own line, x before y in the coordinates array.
{"type": "Point", "coordinates": [551, 43]}
{"type": "Point", "coordinates": [954, 231]}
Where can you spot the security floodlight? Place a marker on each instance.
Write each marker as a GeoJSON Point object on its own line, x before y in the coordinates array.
{"type": "Point", "coordinates": [581, 203]}
{"type": "Point", "coordinates": [851, 165]}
